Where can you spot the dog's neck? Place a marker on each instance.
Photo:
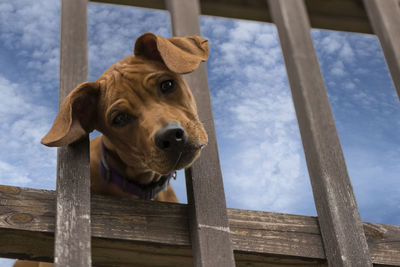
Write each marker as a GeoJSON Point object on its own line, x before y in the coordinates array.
{"type": "Point", "coordinates": [147, 191]}
{"type": "Point", "coordinates": [132, 173]}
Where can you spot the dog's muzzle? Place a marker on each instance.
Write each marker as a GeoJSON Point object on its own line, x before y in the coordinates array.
{"type": "Point", "coordinates": [171, 138]}
{"type": "Point", "coordinates": [177, 150]}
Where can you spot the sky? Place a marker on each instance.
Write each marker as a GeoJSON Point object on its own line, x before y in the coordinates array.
{"type": "Point", "coordinates": [259, 143]}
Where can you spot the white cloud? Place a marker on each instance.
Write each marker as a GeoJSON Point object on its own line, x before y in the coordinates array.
{"type": "Point", "coordinates": [349, 85]}
{"type": "Point", "coordinates": [113, 30]}
{"type": "Point", "coordinates": [260, 148]}
{"type": "Point", "coordinates": [338, 69]}
{"type": "Point", "coordinates": [262, 160]}
{"type": "Point", "coordinates": [334, 43]}
{"type": "Point", "coordinates": [6, 262]}
{"type": "Point", "coordinates": [330, 43]}
{"type": "Point", "coordinates": [367, 117]}
{"type": "Point", "coordinates": [24, 161]}
{"type": "Point", "coordinates": [11, 174]}
{"type": "Point", "coordinates": [245, 32]}
{"type": "Point", "coordinates": [377, 168]}
{"type": "Point", "coordinates": [366, 45]}
{"type": "Point", "coordinates": [346, 53]}
{"type": "Point", "coordinates": [31, 29]}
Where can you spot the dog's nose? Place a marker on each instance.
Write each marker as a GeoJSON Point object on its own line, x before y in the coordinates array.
{"type": "Point", "coordinates": [171, 137]}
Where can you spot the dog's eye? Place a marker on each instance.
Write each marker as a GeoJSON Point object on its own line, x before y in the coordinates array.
{"type": "Point", "coordinates": [121, 119]}
{"type": "Point", "coordinates": [166, 87]}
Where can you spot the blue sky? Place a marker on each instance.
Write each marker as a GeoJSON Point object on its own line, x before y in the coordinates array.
{"type": "Point", "coordinates": [259, 143]}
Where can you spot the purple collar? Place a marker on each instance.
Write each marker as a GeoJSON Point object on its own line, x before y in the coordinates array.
{"type": "Point", "coordinates": [146, 192]}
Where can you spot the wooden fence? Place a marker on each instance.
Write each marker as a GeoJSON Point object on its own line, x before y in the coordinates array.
{"type": "Point", "coordinates": [120, 232]}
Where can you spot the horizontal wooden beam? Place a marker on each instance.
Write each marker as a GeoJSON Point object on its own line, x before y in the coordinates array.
{"type": "Point", "coordinates": [339, 15]}
{"type": "Point", "coordinates": [145, 233]}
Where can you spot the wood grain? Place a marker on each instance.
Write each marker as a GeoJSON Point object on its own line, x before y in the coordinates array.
{"type": "Point", "coordinates": [344, 240]}
{"type": "Point", "coordinates": [339, 15]}
{"type": "Point", "coordinates": [385, 20]}
{"type": "Point", "coordinates": [72, 237]}
{"type": "Point", "coordinates": [133, 232]}
{"type": "Point", "coordinates": [206, 197]}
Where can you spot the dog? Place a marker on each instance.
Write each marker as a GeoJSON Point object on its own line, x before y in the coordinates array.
{"type": "Point", "coordinates": [147, 116]}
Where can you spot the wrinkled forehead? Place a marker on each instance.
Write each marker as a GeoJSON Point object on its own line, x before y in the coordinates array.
{"type": "Point", "coordinates": [134, 65]}
{"type": "Point", "coordinates": [131, 74]}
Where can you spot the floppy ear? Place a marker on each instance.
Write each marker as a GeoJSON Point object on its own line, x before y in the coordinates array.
{"type": "Point", "coordinates": [76, 116]}
{"type": "Point", "coordinates": [179, 54]}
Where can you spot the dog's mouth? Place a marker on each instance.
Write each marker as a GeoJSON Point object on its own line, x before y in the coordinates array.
{"type": "Point", "coordinates": [170, 161]}
{"type": "Point", "coordinates": [177, 161]}
{"type": "Point", "coordinates": [185, 153]}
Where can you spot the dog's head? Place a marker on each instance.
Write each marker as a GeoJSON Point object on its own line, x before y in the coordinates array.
{"type": "Point", "coordinates": [142, 105]}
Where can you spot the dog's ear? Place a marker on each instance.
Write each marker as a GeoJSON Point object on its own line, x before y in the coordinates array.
{"type": "Point", "coordinates": [76, 116]}
{"type": "Point", "coordinates": [179, 54]}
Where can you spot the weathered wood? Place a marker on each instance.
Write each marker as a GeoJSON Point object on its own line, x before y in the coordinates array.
{"type": "Point", "coordinates": [385, 19]}
{"type": "Point", "coordinates": [72, 237]}
{"type": "Point", "coordinates": [206, 197]}
{"type": "Point", "coordinates": [339, 15]}
{"type": "Point", "coordinates": [129, 232]}
{"type": "Point", "coordinates": [344, 240]}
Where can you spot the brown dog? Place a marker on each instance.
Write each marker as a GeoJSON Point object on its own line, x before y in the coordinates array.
{"type": "Point", "coordinates": [147, 115]}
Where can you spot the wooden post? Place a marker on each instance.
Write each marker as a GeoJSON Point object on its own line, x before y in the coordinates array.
{"type": "Point", "coordinates": [209, 226]}
{"type": "Point", "coordinates": [344, 240]}
{"type": "Point", "coordinates": [73, 233]}
{"type": "Point", "coordinates": [384, 16]}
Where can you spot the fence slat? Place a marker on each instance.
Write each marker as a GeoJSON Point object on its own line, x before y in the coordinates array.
{"type": "Point", "coordinates": [384, 16]}
{"type": "Point", "coordinates": [344, 240]}
{"type": "Point", "coordinates": [207, 209]}
{"type": "Point", "coordinates": [73, 233]}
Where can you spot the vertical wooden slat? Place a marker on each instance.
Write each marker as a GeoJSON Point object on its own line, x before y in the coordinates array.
{"type": "Point", "coordinates": [210, 236]}
{"type": "Point", "coordinates": [73, 234]}
{"type": "Point", "coordinates": [384, 16]}
{"type": "Point", "coordinates": [344, 240]}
